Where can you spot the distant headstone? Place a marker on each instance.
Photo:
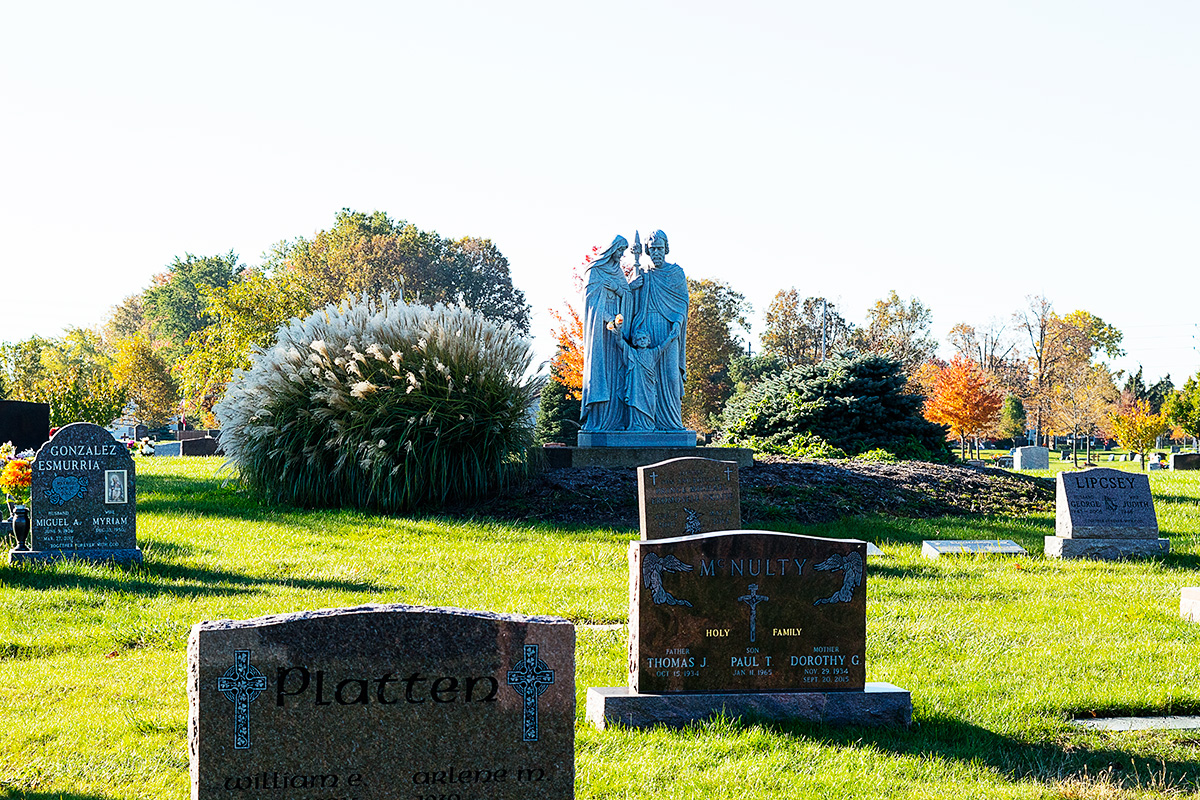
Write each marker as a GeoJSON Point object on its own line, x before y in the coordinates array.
{"type": "Point", "coordinates": [385, 701]}
{"type": "Point", "coordinates": [1106, 514]}
{"type": "Point", "coordinates": [934, 548]}
{"type": "Point", "coordinates": [872, 550]}
{"type": "Point", "coordinates": [754, 622]}
{"type": "Point", "coordinates": [686, 496]}
{"type": "Point", "coordinates": [1184, 461]}
{"type": "Point", "coordinates": [83, 499]}
{"type": "Point", "coordinates": [1031, 458]}
{"type": "Point", "coordinates": [1189, 603]}
{"type": "Point", "coordinates": [26, 425]}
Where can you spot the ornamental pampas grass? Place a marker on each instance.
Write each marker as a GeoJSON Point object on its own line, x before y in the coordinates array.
{"type": "Point", "coordinates": [382, 405]}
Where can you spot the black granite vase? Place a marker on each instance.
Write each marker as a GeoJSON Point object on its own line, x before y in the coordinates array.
{"type": "Point", "coordinates": [20, 526]}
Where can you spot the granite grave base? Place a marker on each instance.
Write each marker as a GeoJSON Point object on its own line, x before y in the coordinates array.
{"type": "Point", "coordinates": [878, 705]}
{"type": "Point", "coordinates": [124, 556]}
{"type": "Point", "coordinates": [1105, 549]}
{"type": "Point", "coordinates": [568, 457]}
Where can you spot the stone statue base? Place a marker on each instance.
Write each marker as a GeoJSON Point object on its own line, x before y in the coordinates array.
{"type": "Point", "coordinates": [568, 457]}
{"type": "Point", "coordinates": [638, 439]}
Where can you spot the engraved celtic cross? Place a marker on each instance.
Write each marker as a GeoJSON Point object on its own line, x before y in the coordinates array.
{"type": "Point", "coordinates": [530, 681]}
{"type": "Point", "coordinates": [241, 685]}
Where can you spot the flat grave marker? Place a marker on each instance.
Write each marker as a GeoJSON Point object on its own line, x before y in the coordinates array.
{"type": "Point", "coordinates": [383, 701]}
{"type": "Point", "coordinates": [934, 548]}
{"type": "Point", "coordinates": [83, 499]}
{"type": "Point", "coordinates": [686, 496]}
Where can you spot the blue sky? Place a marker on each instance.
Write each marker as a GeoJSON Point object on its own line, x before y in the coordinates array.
{"type": "Point", "coordinates": [966, 154]}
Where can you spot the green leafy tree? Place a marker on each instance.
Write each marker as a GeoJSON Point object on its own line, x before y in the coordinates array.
{"type": "Point", "coordinates": [245, 315]}
{"type": "Point", "coordinates": [854, 403]}
{"type": "Point", "coordinates": [714, 308]}
{"type": "Point", "coordinates": [1012, 419]}
{"type": "Point", "coordinates": [174, 305]}
{"type": "Point", "coordinates": [746, 371]}
{"type": "Point", "coordinates": [899, 331]}
{"type": "Point", "coordinates": [72, 374]}
{"type": "Point", "coordinates": [1182, 408]}
{"type": "Point", "coordinates": [146, 379]}
{"type": "Point", "coordinates": [127, 319]}
{"type": "Point", "coordinates": [375, 254]}
{"type": "Point", "coordinates": [799, 332]}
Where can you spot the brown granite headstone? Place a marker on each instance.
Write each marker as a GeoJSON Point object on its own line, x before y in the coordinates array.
{"type": "Point", "coordinates": [383, 701]}
{"type": "Point", "coordinates": [747, 611]}
{"type": "Point", "coordinates": [83, 499]}
{"type": "Point", "coordinates": [686, 496]}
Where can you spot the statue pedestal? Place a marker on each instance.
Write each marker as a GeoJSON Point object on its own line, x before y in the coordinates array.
{"type": "Point", "coordinates": [568, 457]}
{"type": "Point", "coordinates": [638, 439]}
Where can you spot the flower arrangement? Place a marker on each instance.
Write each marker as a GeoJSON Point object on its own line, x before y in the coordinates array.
{"type": "Point", "coordinates": [16, 475]}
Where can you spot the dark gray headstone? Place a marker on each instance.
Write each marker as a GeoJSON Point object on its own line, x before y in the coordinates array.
{"type": "Point", "coordinates": [1104, 503]}
{"type": "Point", "coordinates": [1184, 461]}
{"type": "Point", "coordinates": [83, 498]}
{"type": "Point", "coordinates": [26, 425]}
{"type": "Point", "coordinates": [385, 701]}
{"type": "Point", "coordinates": [1106, 514]}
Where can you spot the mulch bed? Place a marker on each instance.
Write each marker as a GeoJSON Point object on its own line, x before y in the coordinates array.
{"type": "Point", "coordinates": [777, 489]}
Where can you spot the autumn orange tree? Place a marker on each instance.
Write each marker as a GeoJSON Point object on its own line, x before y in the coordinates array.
{"type": "Point", "coordinates": [567, 365]}
{"type": "Point", "coordinates": [963, 401]}
{"type": "Point", "coordinates": [1137, 427]}
{"type": "Point", "coordinates": [558, 413]}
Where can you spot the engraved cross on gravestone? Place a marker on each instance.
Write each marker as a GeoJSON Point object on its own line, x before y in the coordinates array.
{"type": "Point", "coordinates": [753, 599]}
{"type": "Point", "coordinates": [241, 685]}
{"type": "Point", "coordinates": [531, 681]}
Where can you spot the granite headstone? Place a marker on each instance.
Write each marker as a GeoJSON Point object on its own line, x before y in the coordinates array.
{"type": "Point", "coordinates": [1184, 461]}
{"type": "Point", "coordinates": [26, 425]}
{"type": "Point", "coordinates": [748, 623]}
{"type": "Point", "coordinates": [1031, 458]}
{"type": "Point", "coordinates": [1104, 513]}
{"type": "Point", "coordinates": [686, 496]}
{"type": "Point", "coordinates": [747, 611]}
{"type": "Point", "coordinates": [83, 501]}
{"type": "Point", "coordinates": [384, 701]}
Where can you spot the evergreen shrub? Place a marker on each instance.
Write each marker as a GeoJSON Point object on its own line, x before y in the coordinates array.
{"type": "Point", "coordinates": [854, 403]}
{"type": "Point", "coordinates": [382, 405]}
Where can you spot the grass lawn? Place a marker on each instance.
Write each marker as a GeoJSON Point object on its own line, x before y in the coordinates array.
{"type": "Point", "coordinates": [998, 652]}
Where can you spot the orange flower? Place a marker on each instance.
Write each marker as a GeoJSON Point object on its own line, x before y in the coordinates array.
{"type": "Point", "coordinates": [16, 477]}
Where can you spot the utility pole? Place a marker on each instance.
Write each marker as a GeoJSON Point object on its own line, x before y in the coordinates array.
{"type": "Point", "coordinates": [824, 317]}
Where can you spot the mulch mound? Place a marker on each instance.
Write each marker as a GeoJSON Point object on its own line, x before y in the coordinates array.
{"type": "Point", "coordinates": [778, 489]}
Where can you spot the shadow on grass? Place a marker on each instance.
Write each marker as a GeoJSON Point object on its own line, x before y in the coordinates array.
{"type": "Point", "coordinates": [155, 579]}
{"type": "Point", "coordinates": [1018, 759]}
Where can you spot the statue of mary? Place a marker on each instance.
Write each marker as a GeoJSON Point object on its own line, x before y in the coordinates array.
{"type": "Point", "coordinates": [607, 302]}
